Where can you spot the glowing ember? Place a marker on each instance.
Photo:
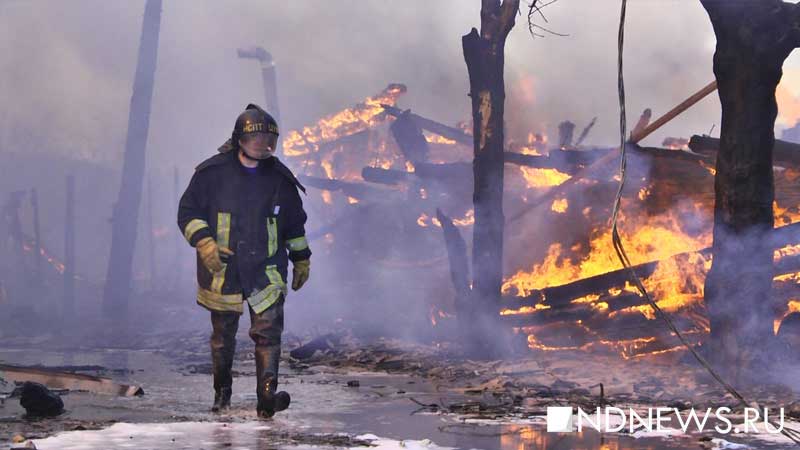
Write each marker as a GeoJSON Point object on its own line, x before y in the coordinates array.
{"type": "Point", "coordinates": [524, 310]}
{"type": "Point", "coordinates": [559, 205]}
{"type": "Point", "coordinates": [541, 178]}
{"type": "Point", "coordinates": [425, 220]}
{"type": "Point", "coordinates": [436, 139]}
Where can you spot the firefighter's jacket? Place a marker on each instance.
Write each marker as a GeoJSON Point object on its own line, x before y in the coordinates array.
{"type": "Point", "coordinates": [257, 214]}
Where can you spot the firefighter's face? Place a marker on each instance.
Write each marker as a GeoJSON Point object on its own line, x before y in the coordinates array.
{"type": "Point", "coordinates": [259, 145]}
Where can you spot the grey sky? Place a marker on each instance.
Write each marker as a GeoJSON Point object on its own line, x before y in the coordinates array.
{"type": "Point", "coordinates": [67, 67]}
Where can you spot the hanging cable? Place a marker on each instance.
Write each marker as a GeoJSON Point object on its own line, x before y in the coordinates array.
{"type": "Point", "coordinates": [792, 434]}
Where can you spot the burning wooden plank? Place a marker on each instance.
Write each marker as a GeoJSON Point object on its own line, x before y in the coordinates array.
{"type": "Point", "coordinates": [431, 125]}
{"type": "Point", "coordinates": [349, 188]}
{"type": "Point", "coordinates": [409, 138]}
{"type": "Point", "coordinates": [563, 295]}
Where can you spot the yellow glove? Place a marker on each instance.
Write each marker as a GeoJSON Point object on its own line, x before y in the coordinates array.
{"type": "Point", "coordinates": [209, 253]}
{"type": "Point", "coordinates": [300, 273]}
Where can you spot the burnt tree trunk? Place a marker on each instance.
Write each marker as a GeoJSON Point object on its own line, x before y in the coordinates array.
{"type": "Point", "coordinates": [125, 218]}
{"type": "Point", "coordinates": [484, 56]}
{"type": "Point", "coordinates": [754, 37]}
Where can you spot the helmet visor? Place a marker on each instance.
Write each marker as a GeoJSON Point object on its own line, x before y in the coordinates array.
{"type": "Point", "coordinates": [260, 142]}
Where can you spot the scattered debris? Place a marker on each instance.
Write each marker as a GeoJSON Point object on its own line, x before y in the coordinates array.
{"type": "Point", "coordinates": [65, 380]}
{"type": "Point", "coordinates": [39, 401]}
{"type": "Point", "coordinates": [322, 343]}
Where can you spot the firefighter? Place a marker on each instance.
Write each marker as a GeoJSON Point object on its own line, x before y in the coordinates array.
{"type": "Point", "coordinates": [243, 213]}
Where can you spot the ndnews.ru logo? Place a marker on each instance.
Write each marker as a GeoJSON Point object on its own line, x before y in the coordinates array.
{"type": "Point", "coordinates": [660, 420]}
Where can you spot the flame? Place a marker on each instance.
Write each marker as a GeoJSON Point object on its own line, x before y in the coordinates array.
{"type": "Point", "coordinates": [712, 170]}
{"type": "Point", "coordinates": [674, 143]}
{"type": "Point", "coordinates": [559, 205]}
{"type": "Point", "coordinates": [785, 216]}
{"type": "Point", "coordinates": [656, 239]}
{"type": "Point", "coordinates": [436, 139]}
{"type": "Point", "coordinates": [674, 285]}
{"type": "Point", "coordinates": [343, 123]}
{"type": "Point", "coordinates": [792, 307]}
{"type": "Point", "coordinates": [468, 219]}
{"type": "Point", "coordinates": [50, 259]}
{"type": "Point", "coordinates": [524, 309]}
{"type": "Point", "coordinates": [540, 178]}
{"type": "Point", "coordinates": [535, 144]}
{"type": "Point", "coordinates": [434, 314]}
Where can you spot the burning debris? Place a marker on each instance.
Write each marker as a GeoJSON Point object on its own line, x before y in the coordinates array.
{"type": "Point", "coordinates": [576, 297]}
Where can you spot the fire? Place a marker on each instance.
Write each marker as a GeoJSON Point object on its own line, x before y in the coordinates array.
{"type": "Point", "coordinates": [674, 143]}
{"type": "Point", "coordinates": [468, 219]}
{"type": "Point", "coordinates": [792, 307]}
{"type": "Point", "coordinates": [712, 170]}
{"type": "Point", "coordinates": [559, 205]}
{"type": "Point", "coordinates": [436, 139]}
{"type": "Point", "coordinates": [524, 309]}
{"type": "Point", "coordinates": [785, 216]}
{"type": "Point", "coordinates": [343, 123]}
{"type": "Point", "coordinates": [52, 260]}
{"type": "Point", "coordinates": [535, 144]}
{"type": "Point", "coordinates": [658, 238]}
{"type": "Point", "coordinates": [435, 314]}
{"type": "Point", "coordinates": [541, 178]}
{"type": "Point", "coordinates": [675, 285]}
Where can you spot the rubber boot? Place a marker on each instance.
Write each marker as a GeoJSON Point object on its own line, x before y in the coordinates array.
{"type": "Point", "coordinates": [223, 349]}
{"type": "Point", "coordinates": [222, 362]}
{"type": "Point", "coordinates": [269, 401]}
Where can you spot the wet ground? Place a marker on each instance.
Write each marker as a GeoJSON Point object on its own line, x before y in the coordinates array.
{"type": "Point", "coordinates": [325, 413]}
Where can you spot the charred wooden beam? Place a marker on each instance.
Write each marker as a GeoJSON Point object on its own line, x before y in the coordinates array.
{"type": "Point", "coordinates": [457, 256]}
{"type": "Point", "coordinates": [353, 213]}
{"type": "Point", "coordinates": [385, 176]}
{"type": "Point", "coordinates": [349, 188]}
{"type": "Point", "coordinates": [409, 137]}
{"type": "Point", "coordinates": [566, 131]}
{"type": "Point", "coordinates": [586, 131]}
{"type": "Point", "coordinates": [783, 153]}
{"type": "Point", "coordinates": [431, 125]}
{"type": "Point", "coordinates": [595, 326]}
{"type": "Point", "coordinates": [657, 152]}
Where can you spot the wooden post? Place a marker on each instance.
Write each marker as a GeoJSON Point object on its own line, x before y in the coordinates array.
{"type": "Point", "coordinates": [151, 233]}
{"type": "Point", "coordinates": [125, 218]}
{"type": "Point", "coordinates": [68, 303]}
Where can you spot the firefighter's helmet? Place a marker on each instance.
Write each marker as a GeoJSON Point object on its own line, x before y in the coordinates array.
{"type": "Point", "coordinates": [253, 120]}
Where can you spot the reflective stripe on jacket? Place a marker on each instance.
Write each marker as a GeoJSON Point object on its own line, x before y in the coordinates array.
{"type": "Point", "coordinates": [258, 215]}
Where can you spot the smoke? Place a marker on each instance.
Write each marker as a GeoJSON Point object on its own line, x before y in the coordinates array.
{"type": "Point", "coordinates": [77, 68]}
{"type": "Point", "coordinates": [68, 68]}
